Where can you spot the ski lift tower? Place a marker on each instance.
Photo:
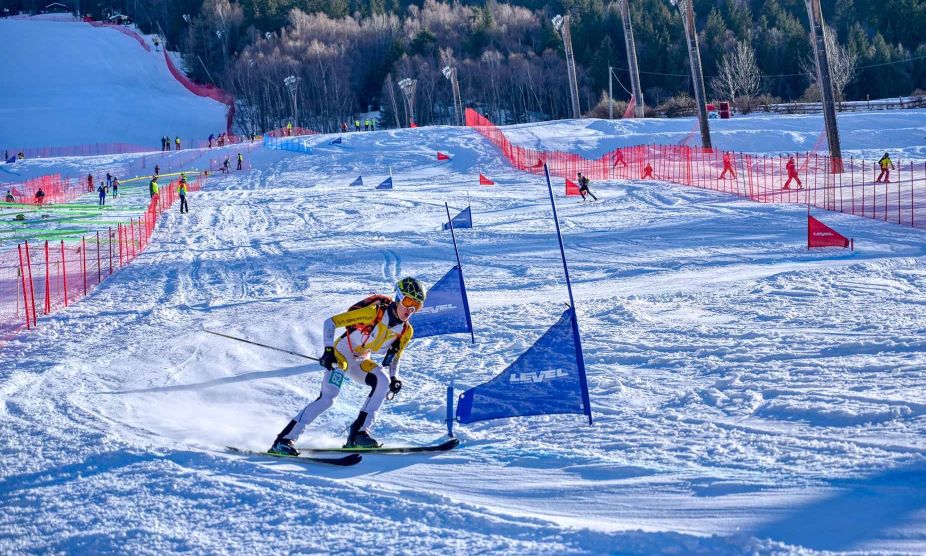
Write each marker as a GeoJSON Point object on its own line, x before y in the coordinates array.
{"type": "Point", "coordinates": [408, 90]}
{"type": "Point", "coordinates": [818, 38]}
{"type": "Point", "coordinates": [561, 24]}
{"type": "Point", "coordinates": [451, 74]}
{"type": "Point", "coordinates": [632, 60]}
{"type": "Point", "coordinates": [686, 8]}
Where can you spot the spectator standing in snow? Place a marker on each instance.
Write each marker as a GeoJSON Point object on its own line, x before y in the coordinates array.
{"type": "Point", "coordinates": [115, 188]}
{"type": "Point", "coordinates": [240, 160]}
{"type": "Point", "coordinates": [177, 143]}
{"type": "Point", "coordinates": [102, 191]}
{"type": "Point", "coordinates": [211, 137]}
{"type": "Point", "coordinates": [886, 167]}
{"type": "Point", "coordinates": [157, 170]}
{"type": "Point", "coordinates": [343, 127]}
{"type": "Point", "coordinates": [225, 165]}
{"type": "Point", "coordinates": [356, 125]}
{"type": "Point", "coordinates": [181, 190]}
{"type": "Point", "coordinates": [153, 190]}
{"type": "Point", "coordinates": [791, 167]}
{"type": "Point", "coordinates": [89, 183]}
{"type": "Point", "coordinates": [9, 197]}
{"type": "Point", "coordinates": [39, 196]}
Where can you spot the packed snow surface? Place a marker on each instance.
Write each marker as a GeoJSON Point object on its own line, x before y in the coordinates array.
{"type": "Point", "coordinates": [749, 396]}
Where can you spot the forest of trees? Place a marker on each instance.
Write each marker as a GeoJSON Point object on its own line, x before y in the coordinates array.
{"type": "Point", "coordinates": [348, 55]}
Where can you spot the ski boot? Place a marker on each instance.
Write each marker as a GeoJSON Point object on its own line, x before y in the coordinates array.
{"type": "Point", "coordinates": [362, 439]}
{"type": "Point", "coordinates": [283, 447]}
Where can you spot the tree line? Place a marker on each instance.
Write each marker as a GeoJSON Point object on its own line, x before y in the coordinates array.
{"type": "Point", "coordinates": [347, 56]}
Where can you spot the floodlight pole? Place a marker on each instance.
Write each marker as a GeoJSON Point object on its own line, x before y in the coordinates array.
{"type": "Point", "coordinates": [561, 23]}
{"type": "Point", "coordinates": [632, 60]}
{"type": "Point", "coordinates": [451, 74]}
{"type": "Point", "coordinates": [818, 38]}
{"type": "Point", "coordinates": [408, 89]}
{"type": "Point", "coordinates": [292, 83]}
{"type": "Point", "coordinates": [697, 76]}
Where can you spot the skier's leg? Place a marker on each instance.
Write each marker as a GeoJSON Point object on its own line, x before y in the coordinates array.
{"type": "Point", "coordinates": [378, 381]}
{"type": "Point", "coordinates": [593, 195]}
{"type": "Point", "coordinates": [331, 387]}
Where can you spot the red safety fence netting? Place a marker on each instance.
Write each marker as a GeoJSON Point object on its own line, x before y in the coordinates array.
{"type": "Point", "coordinates": [855, 190]}
{"type": "Point", "coordinates": [40, 278]}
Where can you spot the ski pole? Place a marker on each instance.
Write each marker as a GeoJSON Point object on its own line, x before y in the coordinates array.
{"type": "Point", "coordinates": [290, 352]}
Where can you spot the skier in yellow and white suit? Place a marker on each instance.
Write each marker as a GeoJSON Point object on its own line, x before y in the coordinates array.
{"type": "Point", "coordinates": [378, 324]}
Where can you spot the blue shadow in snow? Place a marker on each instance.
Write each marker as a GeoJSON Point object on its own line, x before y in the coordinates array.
{"type": "Point", "coordinates": [856, 512]}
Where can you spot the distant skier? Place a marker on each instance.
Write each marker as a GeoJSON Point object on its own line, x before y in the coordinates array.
{"type": "Point", "coordinates": [791, 167]}
{"type": "Point", "coordinates": [115, 187]}
{"type": "Point", "coordinates": [90, 183]}
{"type": "Point", "coordinates": [39, 197]}
{"type": "Point", "coordinates": [240, 160]}
{"type": "Point", "coordinates": [181, 190]}
{"type": "Point", "coordinates": [375, 325]}
{"type": "Point", "coordinates": [211, 138]}
{"type": "Point", "coordinates": [727, 165]}
{"type": "Point", "coordinates": [9, 197]}
{"type": "Point", "coordinates": [102, 191]}
{"type": "Point", "coordinates": [225, 165]}
{"type": "Point", "coordinates": [619, 159]}
{"type": "Point", "coordinates": [648, 172]}
{"type": "Point", "coordinates": [886, 167]}
{"type": "Point", "coordinates": [583, 187]}
{"type": "Point", "coordinates": [109, 179]}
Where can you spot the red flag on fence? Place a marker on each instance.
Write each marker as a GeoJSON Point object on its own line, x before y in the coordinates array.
{"type": "Point", "coordinates": [821, 235]}
{"type": "Point", "coordinates": [442, 156]}
{"type": "Point", "coordinates": [485, 181]}
{"type": "Point", "coordinates": [572, 189]}
{"type": "Point", "coordinates": [539, 163]}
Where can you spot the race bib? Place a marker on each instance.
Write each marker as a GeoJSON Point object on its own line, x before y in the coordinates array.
{"type": "Point", "coordinates": [336, 378]}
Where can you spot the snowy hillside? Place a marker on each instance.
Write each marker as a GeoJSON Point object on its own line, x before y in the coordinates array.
{"type": "Point", "coordinates": [72, 84]}
{"type": "Point", "coordinates": [749, 396]}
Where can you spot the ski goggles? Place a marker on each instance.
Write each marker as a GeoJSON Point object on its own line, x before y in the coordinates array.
{"type": "Point", "coordinates": [412, 305]}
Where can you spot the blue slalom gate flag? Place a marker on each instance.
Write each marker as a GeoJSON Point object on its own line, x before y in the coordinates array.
{"type": "Point", "coordinates": [358, 181]}
{"type": "Point", "coordinates": [446, 308]}
{"type": "Point", "coordinates": [387, 184]}
{"type": "Point", "coordinates": [546, 379]}
{"type": "Point", "coordinates": [462, 220]}
{"type": "Point", "coordinates": [11, 160]}
{"type": "Point", "coordinates": [337, 141]}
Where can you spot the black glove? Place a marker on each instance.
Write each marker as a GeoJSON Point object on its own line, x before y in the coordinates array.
{"type": "Point", "coordinates": [394, 385]}
{"type": "Point", "coordinates": [328, 360]}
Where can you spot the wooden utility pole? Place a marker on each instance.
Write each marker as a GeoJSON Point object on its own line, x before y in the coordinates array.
{"type": "Point", "coordinates": [632, 60]}
{"type": "Point", "coordinates": [824, 80]}
{"type": "Point", "coordinates": [697, 76]}
{"type": "Point", "coordinates": [561, 22]}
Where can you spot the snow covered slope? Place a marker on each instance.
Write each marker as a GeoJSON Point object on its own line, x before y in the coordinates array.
{"type": "Point", "coordinates": [750, 397]}
{"type": "Point", "coordinates": [68, 83]}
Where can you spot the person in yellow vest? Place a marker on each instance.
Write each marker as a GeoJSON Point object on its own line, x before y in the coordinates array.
{"type": "Point", "coordinates": [177, 143]}
{"type": "Point", "coordinates": [356, 125]}
{"type": "Point", "coordinates": [240, 160]}
{"type": "Point", "coordinates": [289, 128]}
{"type": "Point", "coordinates": [886, 167]}
{"type": "Point", "coordinates": [378, 324]}
{"type": "Point", "coordinates": [153, 187]}
{"type": "Point", "coordinates": [181, 190]}
{"type": "Point", "coordinates": [366, 124]}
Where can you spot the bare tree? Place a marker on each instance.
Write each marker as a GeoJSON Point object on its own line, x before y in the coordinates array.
{"type": "Point", "coordinates": [738, 74]}
{"type": "Point", "coordinates": [843, 65]}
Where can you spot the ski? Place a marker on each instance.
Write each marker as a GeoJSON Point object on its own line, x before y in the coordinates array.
{"type": "Point", "coordinates": [350, 459]}
{"type": "Point", "coordinates": [443, 447]}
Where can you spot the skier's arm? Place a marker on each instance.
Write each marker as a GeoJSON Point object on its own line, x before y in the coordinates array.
{"type": "Point", "coordinates": [395, 352]}
{"type": "Point", "coordinates": [364, 315]}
